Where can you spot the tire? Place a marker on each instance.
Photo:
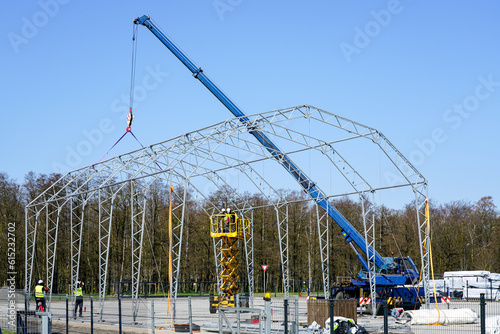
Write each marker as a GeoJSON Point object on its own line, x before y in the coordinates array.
{"type": "Point", "coordinates": [378, 309]}
{"type": "Point", "coordinates": [212, 307]}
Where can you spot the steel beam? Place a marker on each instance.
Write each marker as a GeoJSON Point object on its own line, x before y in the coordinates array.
{"type": "Point", "coordinates": [106, 201]}
{"type": "Point", "coordinates": [282, 223]}
{"type": "Point", "coordinates": [138, 195]}
{"type": "Point", "coordinates": [322, 218]}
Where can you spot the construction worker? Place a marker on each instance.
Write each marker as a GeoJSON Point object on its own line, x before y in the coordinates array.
{"type": "Point", "coordinates": [40, 296]}
{"type": "Point", "coordinates": [222, 220]}
{"type": "Point", "coordinates": [227, 220]}
{"type": "Point", "coordinates": [79, 298]}
{"type": "Point", "coordinates": [304, 288]}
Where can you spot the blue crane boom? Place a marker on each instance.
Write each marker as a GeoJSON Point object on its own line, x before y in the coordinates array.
{"type": "Point", "coordinates": [348, 231]}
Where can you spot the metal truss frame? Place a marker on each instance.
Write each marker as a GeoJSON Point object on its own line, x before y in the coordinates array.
{"type": "Point", "coordinates": [77, 208]}
{"type": "Point", "coordinates": [282, 222]}
{"type": "Point", "coordinates": [32, 215]}
{"type": "Point", "coordinates": [52, 228]}
{"type": "Point", "coordinates": [138, 195]}
{"type": "Point", "coordinates": [178, 216]}
{"type": "Point", "coordinates": [248, 241]}
{"type": "Point", "coordinates": [368, 211]}
{"type": "Point", "coordinates": [106, 206]}
{"type": "Point", "coordinates": [195, 159]}
{"type": "Point", "coordinates": [322, 220]}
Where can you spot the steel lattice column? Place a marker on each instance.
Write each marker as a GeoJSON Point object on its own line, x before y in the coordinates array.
{"type": "Point", "coordinates": [105, 218]}
{"type": "Point", "coordinates": [77, 208]}
{"type": "Point", "coordinates": [53, 214]}
{"type": "Point", "coordinates": [178, 216]}
{"type": "Point", "coordinates": [248, 241]}
{"type": "Point", "coordinates": [282, 222]}
{"type": "Point", "coordinates": [422, 206]}
{"type": "Point", "coordinates": [369, 228]}
{"type": "Point", "coordinates": [31, 224]}
{"type": "Point", "coordinates": [138, 210]}
{"type": "Point", "coordinates": [323, 248]}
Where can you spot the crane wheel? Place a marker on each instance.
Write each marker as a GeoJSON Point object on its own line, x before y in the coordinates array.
{"type": "Point", "coordinates": [340, 295]}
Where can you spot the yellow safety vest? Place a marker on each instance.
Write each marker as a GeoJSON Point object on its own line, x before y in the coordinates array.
{"type": "Point", "coordinates": [79, 292]}
{"type": "Point", "coordinates": [39, 291]}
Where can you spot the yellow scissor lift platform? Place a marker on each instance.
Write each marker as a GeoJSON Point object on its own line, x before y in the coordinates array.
{"type": "Point", "coordinates": [229, 228]}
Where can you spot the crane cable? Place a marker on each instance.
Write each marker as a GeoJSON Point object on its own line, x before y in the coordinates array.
{"type": "Point", "coordinates": [130, 116]}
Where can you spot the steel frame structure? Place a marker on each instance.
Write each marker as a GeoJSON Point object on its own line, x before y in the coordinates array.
{"type": "Point", "coordinates": [199, 162]}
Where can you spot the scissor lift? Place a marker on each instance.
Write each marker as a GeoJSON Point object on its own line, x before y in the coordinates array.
{"type": "Point", "coordinates": [229, 228]}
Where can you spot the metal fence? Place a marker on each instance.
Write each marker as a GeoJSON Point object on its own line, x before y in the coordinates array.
{"type": "Point", "coordinates": [460, 316]}
{"type": "Point", "coordinates": [279, 315]}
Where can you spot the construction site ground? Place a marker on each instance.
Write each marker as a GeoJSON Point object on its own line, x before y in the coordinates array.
{"type": "Point", "coordinates": [209, 322]}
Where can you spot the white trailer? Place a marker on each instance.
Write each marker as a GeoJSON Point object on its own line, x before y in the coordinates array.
{"type": "Point", "coordinates": [470, 284]}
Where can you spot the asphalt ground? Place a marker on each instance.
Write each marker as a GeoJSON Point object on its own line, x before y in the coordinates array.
{"type": "Point", "coordinates": [208, 323]}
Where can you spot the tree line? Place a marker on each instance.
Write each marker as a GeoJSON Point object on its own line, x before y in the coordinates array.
{"type": "Point", "coordinates": [465, 236]}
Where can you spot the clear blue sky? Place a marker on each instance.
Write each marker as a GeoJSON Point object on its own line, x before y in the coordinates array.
{"type": "Point", "coordinates": [425, 73]}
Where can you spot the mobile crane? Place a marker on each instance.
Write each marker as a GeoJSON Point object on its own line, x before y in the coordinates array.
{"type": "Point", "coordinates": [393, 274]}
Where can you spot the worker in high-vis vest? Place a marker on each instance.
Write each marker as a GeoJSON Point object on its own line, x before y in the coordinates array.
{"type": "Point", "coordinates": [40, 296]}
{"type": "Point", "coordinates": [79, 299]}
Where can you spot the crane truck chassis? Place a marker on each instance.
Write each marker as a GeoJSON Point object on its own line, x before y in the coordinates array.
{"type": "Point", "coordinates": [398, 286]}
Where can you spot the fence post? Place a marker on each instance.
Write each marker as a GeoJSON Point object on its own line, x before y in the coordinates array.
{"type": "Point", "coordinates": [483, 314]}
{"type": "Point", "coordinates": [467, 290]}
{"type": "Point", "coordinates": [190, 314]}
{"type": "Point", "coordinates": [285, 305]}
{"type": "Point", "coordinates": [237, 305]}
{"type": "Point", "coordinates": [331, 316]}
{"type": "Point", "coordinates": [67, 326]}
{"type": "Point", "coordinates": [26, 301]}
{"type": "Point", "coordinates": [221, 330]}
{"type": "Point", "coordinates": [386, 316]}
{"type": "Point", "coordinates": [296, 325]}
{"type": "Point", "coordinates": [153, 315]}
{"type": "Point", "coordinates": [119, 314]}
{"type": "Point", "coordinates": [268, 316]}
{"type": "Point", "coordinates": [91, 315]}
{"type": "Point", "coordinates": [491, 290]}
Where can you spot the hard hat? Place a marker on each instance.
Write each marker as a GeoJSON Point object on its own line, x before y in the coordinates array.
{"type": "Point", "coordinates": [228, 210]}
{"type": "Point", "coordinates": [223, 209]}
{"type": "Point", "coordinates": [40, 282]}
